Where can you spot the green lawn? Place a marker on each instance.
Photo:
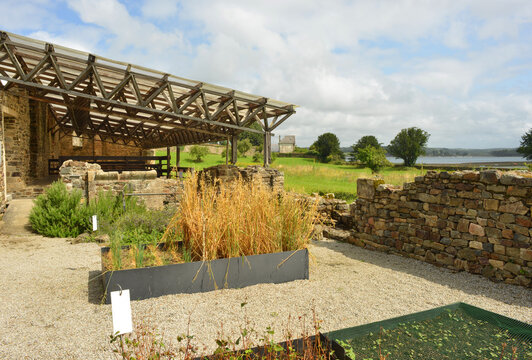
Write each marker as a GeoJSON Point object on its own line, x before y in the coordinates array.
{"type": "Point", "coordinates": [308, 176]}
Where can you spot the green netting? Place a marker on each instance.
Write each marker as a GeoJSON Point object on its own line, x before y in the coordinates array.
{"type": "Point", "coordinates": [456, 331]}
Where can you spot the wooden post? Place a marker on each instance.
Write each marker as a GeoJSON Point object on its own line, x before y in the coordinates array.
{"type": "Point", "coordinates": [234, 152]}
{"type": "Point", "coordinates": [177, 155]}
{"type": "Point", "coordinates": [227, 151]}
{"type": "Point", "coordinates": [267, 148]}
{"type": "Point", "coordinates": [168, 157]}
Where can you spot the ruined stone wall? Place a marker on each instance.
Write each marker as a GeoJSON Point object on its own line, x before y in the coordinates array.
{"type": "Point", "coordinates": [91, 180]}
{"type": "Point", "coordinates": [271, 177]}
{"type": "Point", "coordinates": [479, 222]}
{"type": "Point", "coordinates": [16, 113]}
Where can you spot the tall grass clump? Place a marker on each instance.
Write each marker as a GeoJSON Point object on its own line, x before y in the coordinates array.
{"type": "Point", "coordinates": [59, 213]}
{"type": "Point", "coordinates": [220, 220]}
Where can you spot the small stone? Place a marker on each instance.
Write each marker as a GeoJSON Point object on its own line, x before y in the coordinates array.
{"type": "Point", "coordinates": [475, 229]}
{"type": "Point", "coordinates": [516, 207]}
{"type": "Point", "coordinates": [499, 249]}
{"type": "Point", "coordinates": [523, 280]}
{"type": "Point", "coordinates": [507, 218]}
{"type": "Point", "coordinates": [507, 234]}
{"type": "Point", "coordinates": [497, 264]}
{"type": "Point", "coordinates": [81, 238]}
{"type": "Point", "coordinates": [488, 271]}
{"type": "Point", "coordinates": [429, 257]}
{"type": "Point", "coordinates": [513, 268]}
{"type": "Point", "coordinates": [463, 225]}
{"type": "Point", "coordinates": [475, 245]}
{"type": "Point", "coordinates": [467, 254]}
{"type": "Point", "coordinates": [526, 254]}
{"type": "Point", "coordinates": [102, 238]}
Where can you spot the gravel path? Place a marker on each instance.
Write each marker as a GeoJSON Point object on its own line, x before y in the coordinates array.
{"type": "Point", "coordinates": [50, 310]}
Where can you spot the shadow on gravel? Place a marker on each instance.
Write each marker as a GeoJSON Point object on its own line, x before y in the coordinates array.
{"type": "Point", "coordinates": [95, 287]}
{"type": "Point", "coordinates": [456, 280]}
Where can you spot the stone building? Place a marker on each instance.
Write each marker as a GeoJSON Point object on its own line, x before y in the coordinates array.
{"type": "Point", "coordinates": [287, 144]}
{"type": "Point", "coordinates": [27, 145]}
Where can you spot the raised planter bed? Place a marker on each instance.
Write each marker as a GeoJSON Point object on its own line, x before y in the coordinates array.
{"type": "Point", "coordinates": [200, 276]}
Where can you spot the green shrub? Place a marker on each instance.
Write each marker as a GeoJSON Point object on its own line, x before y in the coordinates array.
{"type": "Point", "coordinates": [372, 157]}
{"type": "Point", "coordinates": [59, 213]}
{"type": "Point", "coordinates": [243, 147]}
{"type": "Point", "coordinates": [198, 153]}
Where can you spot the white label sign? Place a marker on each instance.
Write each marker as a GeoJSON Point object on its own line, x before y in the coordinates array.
{"type": "Point", "coordinates": [94, 223]}
{"type": "Point", "coordinates": [121, 308]}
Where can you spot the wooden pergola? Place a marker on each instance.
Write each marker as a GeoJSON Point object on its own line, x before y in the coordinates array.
{"type": "Point", "coordinates": [123, 103]}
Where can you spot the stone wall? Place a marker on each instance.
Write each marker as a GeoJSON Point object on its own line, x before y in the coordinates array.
{"type": "Point", "coordinates": [91, 180]}
{"type": "Point", "coordinates": [16, 113]}
{"type": "Point", "coordinates": [268, 176]}
{"type": "Point", "coordinates": [95, 147]}
{"type": "Point", "coordinates": [479, 222]}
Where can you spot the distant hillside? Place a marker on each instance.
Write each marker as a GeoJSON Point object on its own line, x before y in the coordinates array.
{"type": "Point", "coordinates": [501, 152]}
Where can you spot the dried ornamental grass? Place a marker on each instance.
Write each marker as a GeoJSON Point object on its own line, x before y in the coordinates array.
{"type": "Point", "coordinates": [220, 220]}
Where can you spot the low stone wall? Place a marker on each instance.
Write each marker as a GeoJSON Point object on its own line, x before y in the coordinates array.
{"type": "Point", "coordinates": [479, 222]}
{"type": "Point", "coordinates": [91, 180]}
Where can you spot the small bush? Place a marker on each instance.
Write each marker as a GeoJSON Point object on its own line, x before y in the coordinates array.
{"type": "Point", "coordinates": [198, 153]}
{"type": "Point", "coordinates": [59, 213]}
{"type": "Point", "coordinates": [243, 147]}
{"type": "Point", "coordinates": [374, 158]}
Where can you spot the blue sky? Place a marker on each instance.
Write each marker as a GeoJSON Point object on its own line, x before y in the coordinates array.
{"type": "Point", "coordinates": [461, 70]}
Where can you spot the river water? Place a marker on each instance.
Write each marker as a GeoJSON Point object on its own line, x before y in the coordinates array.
{"type": "Point", "coordinates": [518, 161]}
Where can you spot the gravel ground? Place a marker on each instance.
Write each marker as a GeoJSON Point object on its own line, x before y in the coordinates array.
{"type": "Point", "coordinates": [50, 307]}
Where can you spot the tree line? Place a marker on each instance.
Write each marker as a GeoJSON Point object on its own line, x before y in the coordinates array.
{"type": "Point", "coordinates": [408, 145]}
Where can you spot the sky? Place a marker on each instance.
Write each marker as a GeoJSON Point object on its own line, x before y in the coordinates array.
{"type": "Point", "coordinates": [460, 70]}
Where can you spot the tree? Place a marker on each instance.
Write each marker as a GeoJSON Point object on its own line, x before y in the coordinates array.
{"type": "Point", "coordinates": [526, 145]}
{"type": "Point", "coordinates": [365, 141]}
{"type": "Point", "coordinates": [254, 138]}
{"type": "Point", "coordinates": [243, 147]}
{"type": "Point", "coordinates": [409, 144]}
{"type": "Point", "coordinates": [198, 153]}
{"type": "Point", "coordinates": [373, 157]}
{"type": "Point", "coordinates": [326, 145]}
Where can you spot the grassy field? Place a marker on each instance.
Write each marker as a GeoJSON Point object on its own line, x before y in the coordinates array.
{"type": "Point", "coordinates": [307, 176]}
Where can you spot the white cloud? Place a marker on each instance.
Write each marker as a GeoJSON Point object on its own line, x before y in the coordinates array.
{"type": "Point", "coordinates": [355, 68]}
{"type": "Point", "coordinates": [456, 36]}
{"type": "Point", "coordinates": [159, 9]}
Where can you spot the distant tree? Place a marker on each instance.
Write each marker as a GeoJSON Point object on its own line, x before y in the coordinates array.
{"type": "Point", "coordinates": [326, 145]}
{"type": "Point", "coordinates": [364, 141]}
{"type": "Point", "coordinates": [409, 144]}
{"type": "Point", "coordinates": [374, 158]}
{"type": "Point", "coordinates": [198, 153]}
{"type": "Point", "coordinates": [254, 138]}
{"type": "Point", "coordinates": [526, 145]}
{"type": "Point", "coordinates": [243, 147]}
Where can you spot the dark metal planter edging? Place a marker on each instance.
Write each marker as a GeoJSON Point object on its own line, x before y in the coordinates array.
{"type": "Point", "coordinates": [202, 276]}
{"type": "Point", "coordinates": [334, 350]}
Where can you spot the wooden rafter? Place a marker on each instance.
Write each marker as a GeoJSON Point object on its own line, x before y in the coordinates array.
{"type": "Point", "coordinates": [99, 97]}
